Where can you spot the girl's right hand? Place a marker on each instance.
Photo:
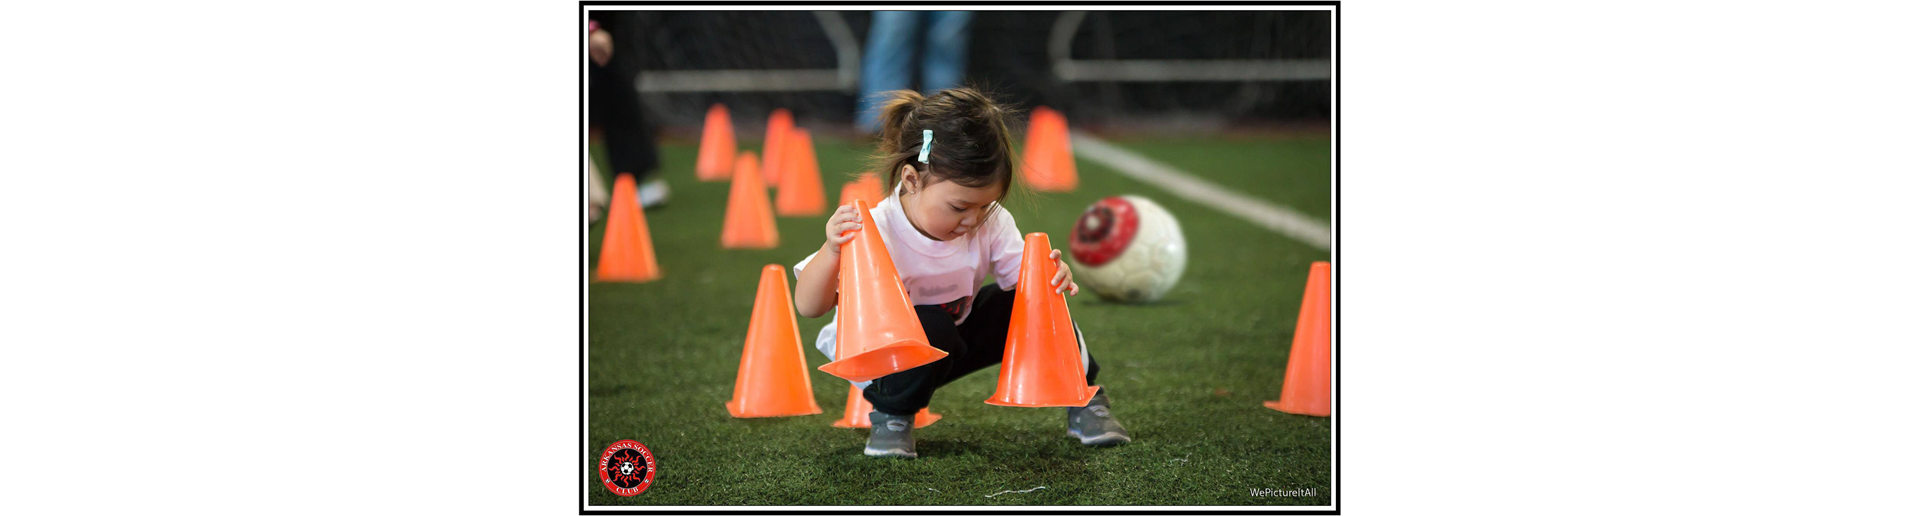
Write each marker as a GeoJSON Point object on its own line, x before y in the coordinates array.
{"type": "Point", "coordinates": [841, 225]}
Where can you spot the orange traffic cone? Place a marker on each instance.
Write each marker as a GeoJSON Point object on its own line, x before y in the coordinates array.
{"type": "Point", "coordinates": [1065, 176]}
{"type": "Point", "coordinates": [773, 376]}
{"type": "Point", "coordinates": [1041, 367]}
{"type": "Point", "coordinates": [858, 407]}
{"type": "Point", "coordinates": [1049, 159]}
{"type": "Point", "coordinates": [800, 194]}
{"type": "Point", "coordinates": [1308, 389]}
{"type": "Point", "coordinates": [852, 190]}
{"type": "Point", "coordinates": [716, 146]}
{"type": "Point", "coordinates": [878, 333]}
{"type": "Point", "coordinates": [865, 188]}
{"type": "Point", "coordinates": [626, 250]}
{"type": "Point", "coordinates": [1036, 169]}
{"type": "Point", "coordinates": [875, 189]}
{"type": "Point", "coordinates": [749, 222]}
{"type": "Point", "coordinates": [779, 125]}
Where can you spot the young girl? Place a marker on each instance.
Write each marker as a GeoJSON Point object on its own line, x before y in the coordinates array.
{"type": "Point", "coordinates": [949, 159]}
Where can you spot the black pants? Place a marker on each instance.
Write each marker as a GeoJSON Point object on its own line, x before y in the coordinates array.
{"type": "Point", "coordinates": [972, 346]}
{"type": "Point", "coordinates": [613, 104]}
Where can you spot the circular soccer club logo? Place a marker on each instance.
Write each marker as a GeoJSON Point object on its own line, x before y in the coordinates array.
{"type": "Point", "coordinates": [626, 467]}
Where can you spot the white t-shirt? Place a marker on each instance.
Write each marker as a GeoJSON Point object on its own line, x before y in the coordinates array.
{"type": "Point", "coordinates": [935, 272]}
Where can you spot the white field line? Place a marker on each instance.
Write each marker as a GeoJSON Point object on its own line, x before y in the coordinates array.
{"type": "Point", "coordinates": [1010, 491]}
{"type": "Point", "coordinates": [1279, 219]}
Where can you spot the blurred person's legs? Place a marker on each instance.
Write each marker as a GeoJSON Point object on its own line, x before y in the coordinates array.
{"type": "Point", "coordinates": [887, 64]}
{"type": "Point", "coordinates": [613, 103]}
{"type": "Point", "coordinates": [597, 197]}
{"type": "Point", "coordinates": [944, 63]}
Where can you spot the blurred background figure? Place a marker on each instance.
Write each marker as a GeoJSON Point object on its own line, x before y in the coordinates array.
{"type": "Point", "coordinates": [1160, 72]}
{"type": "Point", "coordinates": [597, 196]}
{"type": "Point", "coordinates": [941, 38]}
{"type": "Point", "coordinates": [613, 106]}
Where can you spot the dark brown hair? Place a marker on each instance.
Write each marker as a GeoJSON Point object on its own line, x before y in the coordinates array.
{"type": "Point", "coordinates": [971, 143]}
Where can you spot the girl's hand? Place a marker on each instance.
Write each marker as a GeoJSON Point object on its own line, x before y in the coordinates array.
{"type": "Point", "coordinates": [841, 225]}
{"type": "Point", "coordinates": [1063, 280]}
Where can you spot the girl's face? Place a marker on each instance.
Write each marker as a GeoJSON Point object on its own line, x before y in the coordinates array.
{"type": "Point", "coordinates": [944, 210]}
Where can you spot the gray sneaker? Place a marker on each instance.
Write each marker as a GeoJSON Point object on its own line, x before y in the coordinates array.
{"type": "Point", "coordinates": [652, 193]}
{"type": "Point", "coordinates": [1094, 424]}
{"type": "Point", "coordinates": [892, 436]}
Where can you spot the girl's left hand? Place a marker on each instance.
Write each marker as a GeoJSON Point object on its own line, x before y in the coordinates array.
{"type": "Point", "coordinates": [1063, 280]}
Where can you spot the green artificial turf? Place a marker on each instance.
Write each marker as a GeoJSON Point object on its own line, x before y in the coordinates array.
{"type": "Point", "coordinates": [1187, 374]}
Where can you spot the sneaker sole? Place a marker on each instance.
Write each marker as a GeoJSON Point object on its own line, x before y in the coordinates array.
{"type": "Point", "coordinates": [891, 453]}
{"type": "Point", "coordinates": [1106, 439]}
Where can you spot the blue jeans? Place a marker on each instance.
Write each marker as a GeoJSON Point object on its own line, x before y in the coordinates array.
{"type": "Point", "coordinates": [887, 63]}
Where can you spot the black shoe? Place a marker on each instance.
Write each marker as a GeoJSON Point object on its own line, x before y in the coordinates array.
{"type": "Point", "coordinates": [892, 436]}
{"type": "Point", "coordinates": [1094, 424]}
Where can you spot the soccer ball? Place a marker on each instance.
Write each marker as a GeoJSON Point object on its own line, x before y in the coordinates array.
{"type": "Point", "coordinates": [1129, 249]}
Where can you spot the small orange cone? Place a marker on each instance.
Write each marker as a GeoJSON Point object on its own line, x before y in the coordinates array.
{"type": "Point", "coordinates": [1037, 167]}
{"type": "Point", "coordinates": [1309, 384]}
{"type": "Point", "coordinates": [1049, 159]}
{"type": "Point", "coordinates": [865, 188]}
{"type": "Point", "coordinates": [772, 381]}
{"type": "Point", "coordinates": [800, 194]}
{"type": "Point", "coordinates": [878, 334]}
{"type": "Point", "coordinates": [1065, 176]}
{"type": "Point", "coordinates": [716, 146]}
{"type": "Point", "coordinates": [852, 190]}
{"type": "Point", "coordinates": [875, 189]}
{"type": "Point", "coordinates": [749, 222]}
{"type": "Point", "coordinates": [1041, 367]}
{"type": "Point", "coordinates": [626, 249]}
{"type": "Point", "coordinates": [858, 407]}
{"type": "Point", "coordinates": [779, 125]}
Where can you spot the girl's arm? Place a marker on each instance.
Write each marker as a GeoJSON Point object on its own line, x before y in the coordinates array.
{"type": "Point", "coordinates": [819, 287]}
{"type": "Point", "coordinates": [1007, 246]}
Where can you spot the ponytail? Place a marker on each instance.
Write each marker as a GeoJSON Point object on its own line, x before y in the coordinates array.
{"type": "Point", "coordinates": [896, 113]}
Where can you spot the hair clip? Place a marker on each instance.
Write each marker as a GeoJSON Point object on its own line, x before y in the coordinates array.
{"type": "Point", "coordinates": [926, 144]}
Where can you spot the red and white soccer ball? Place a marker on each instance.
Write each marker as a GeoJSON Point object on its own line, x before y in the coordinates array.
{"type": "Point", "coordinates": [1128, 249]}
